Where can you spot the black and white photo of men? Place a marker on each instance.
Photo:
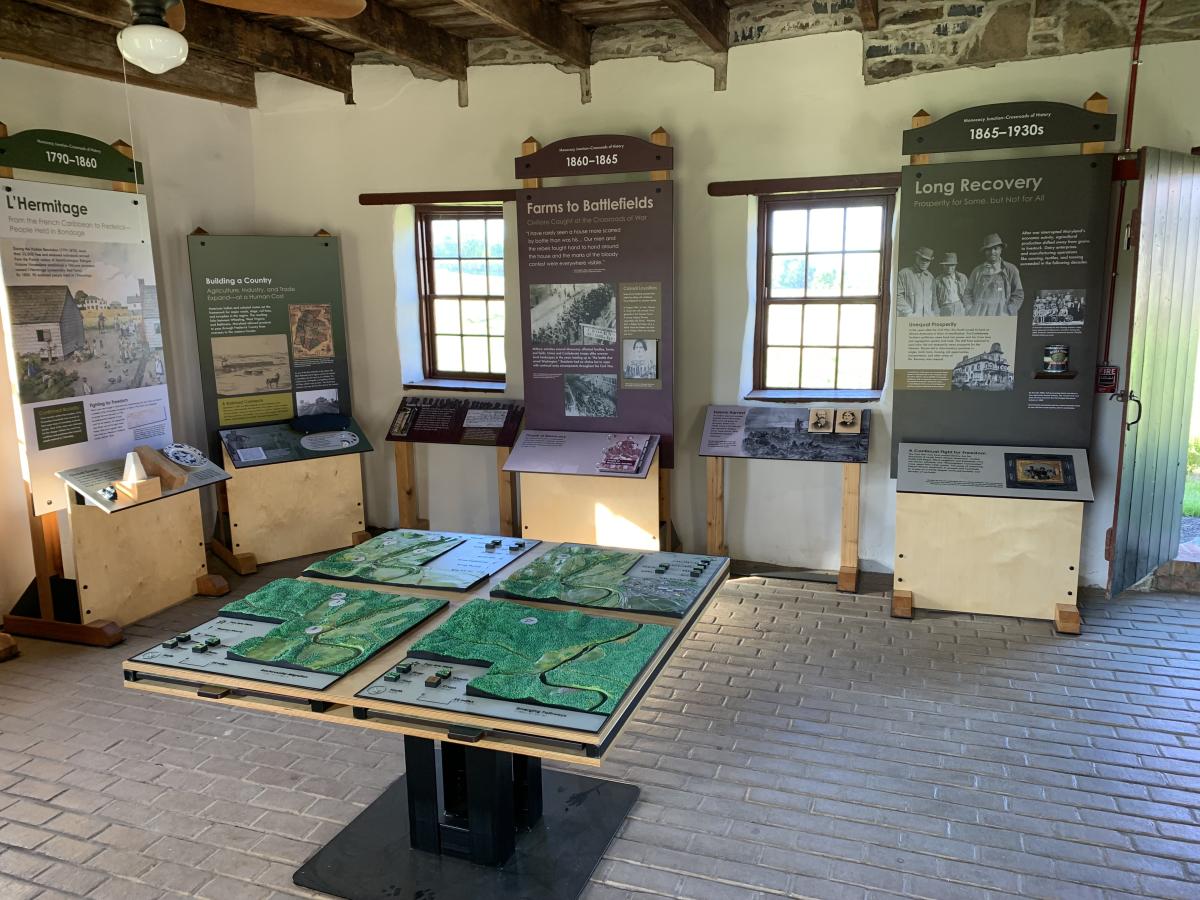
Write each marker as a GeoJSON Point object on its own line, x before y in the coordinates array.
{"type": "Point", "coordinates": [950, 287]}
{"type": "Point", "coordinates": [1059, 307]}
{"type": "Point", "coordinates": [564, 315]}
{"type": "Point", "coordinates": [590, 396]}
{"type": "Point", "coordinates": [914, 287]}
{"type": "Point", "coordinates": [994, 288]}
{"type": "Point", "coordinates": [639, 360]}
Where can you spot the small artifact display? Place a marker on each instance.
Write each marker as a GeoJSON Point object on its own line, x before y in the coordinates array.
{"type": "Point", "coordinates": [1046, 472]}
{"type": "Point", "coordinates": [432, 559]}
{"type": "Point", "coordinates": [665, 584]}
{"type": "Point", "coordinates": [776, 432]}
{"type": "Point", "coordinates": [263, 445]}
{"type": "Point", "coordinates": [625, 453]}
{"type": "Point", "coordinates": [185, 455]}
{"type": "Point", "coordinates": [558, 659]}
{"type": "Point", "coordinates": [583, 453]}
{"type": "Point", "coordinates": [97, 482]}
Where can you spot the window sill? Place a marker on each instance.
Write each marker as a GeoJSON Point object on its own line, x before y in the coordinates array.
{"type": "Point", "coordinates": [812, 396]}
{"type": "Point", "coordinates": [457, 384]}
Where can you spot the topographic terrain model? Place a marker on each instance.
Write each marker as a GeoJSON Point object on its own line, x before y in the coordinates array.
{"type": "Point", "coordinates": [578, 575]}
{"type": "Point", "coordinates": [397, 557]}
{"type": "Point", "coordinates": [566, 660]}
{"type": "Point", "coordinates": [287, 598]}
{"type": "Point", "coordinates": [339, 634]}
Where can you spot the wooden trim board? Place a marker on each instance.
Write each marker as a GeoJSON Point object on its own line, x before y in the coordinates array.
{"type": "Point", "coordinates": [992, 555]}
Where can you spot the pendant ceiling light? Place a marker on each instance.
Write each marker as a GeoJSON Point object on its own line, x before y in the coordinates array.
{"type": "Point", "coordinates": [149, 43]}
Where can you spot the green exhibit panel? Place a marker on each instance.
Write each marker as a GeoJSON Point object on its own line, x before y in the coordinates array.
{"type": "Point", "coordinates": [663, 584]}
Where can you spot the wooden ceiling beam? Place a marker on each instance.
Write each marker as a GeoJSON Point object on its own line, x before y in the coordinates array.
{"type": "Point", "coordinates": [236, 37]}
{"type": "Point", "coordinates": [540, 23]}
{"type": "Point", "coordinates": [868, 11]}
{"type": "Point", "coordinates": [708, 18]}
{"type": "Point", "coordinates": [402, 37]}
{"type": "Point", "coordinates": [43, 37]}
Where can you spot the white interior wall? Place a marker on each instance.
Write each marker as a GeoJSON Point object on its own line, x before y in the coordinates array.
{"type": "Point", "coordinates": [199, 171]}
{"type": "Point", "coordinates": [792, 108]}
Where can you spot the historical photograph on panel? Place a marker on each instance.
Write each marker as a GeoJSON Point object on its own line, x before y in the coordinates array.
{"type": "Point", "coordinates": [820, 421]}
{"type": "Point", "coordinates": [847, 421]}
{"type": "Point", "coordinates": [251, 364]}
{"type": "Point", "coordinates": [1040, 471]}
{"type": "Point", "coordinates": [639, 359]}
{"type": "Point", "coordinates": [317, 403]}
{"type": "Point", "coordinates": [572, 314]}
{"type": "Point", "coordinates": [1059, 307]}
{"type": "Point", "coordinates": [94, 330]}
{"type": "Point", "coordinates": [311, 326]}
{"type": "Point", "coordinates": [591, 396]}
{"type": "Point", "coordinates": [988, 370]}
{"type": "Point", "coordinates": [931, 283]}
{"type": "Point", "coordinates": [782, 433]}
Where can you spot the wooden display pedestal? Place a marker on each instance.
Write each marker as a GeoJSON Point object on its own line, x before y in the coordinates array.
{"type": "Point", "coordinates": [128, 565]}
{"type": "Point", "coordinates": [997, 556]}
{"type": "Point", "coordinates": [288, 509]}
{"type": "Point", "coordinates": [406, 489]}
{"type": "Point", "coordinates": [594, 509]}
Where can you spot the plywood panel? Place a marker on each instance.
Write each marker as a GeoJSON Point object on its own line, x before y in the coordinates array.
{"type": "Point", "coordinates": [139, 561]}
{"type": "Point", "coordinates": [295, 508]}
{"type": "Point", "coordinates": [991, 555]}
{"type": "Point", "coordinates": [592, 509]}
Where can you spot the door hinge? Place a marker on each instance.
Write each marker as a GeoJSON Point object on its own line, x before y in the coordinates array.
{"type": "Point", "coordinates": [1110, 545]}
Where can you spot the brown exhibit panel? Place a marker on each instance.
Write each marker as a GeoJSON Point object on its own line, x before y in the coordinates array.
{"type": "Point", "coordinates": [292, 509]}
{"type": "Point", "coordinates": [132, 564]}
{"type": "Point", "coordinates": [996, 556]}
{"type": "Point", "coordinates": [593, 509]}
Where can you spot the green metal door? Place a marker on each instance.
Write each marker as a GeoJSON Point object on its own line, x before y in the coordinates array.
{"type": "Point", "coordinates": [1162, 362]}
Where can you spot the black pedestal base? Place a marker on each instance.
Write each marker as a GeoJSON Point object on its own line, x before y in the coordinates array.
{"type": "Point", "coordinates": [371, 858]}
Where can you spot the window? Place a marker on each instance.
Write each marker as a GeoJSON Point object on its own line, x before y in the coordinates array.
{"type": "Point", "coordinates": [460, 265]}
{"type": "Point", "coordinates": [821, 321]}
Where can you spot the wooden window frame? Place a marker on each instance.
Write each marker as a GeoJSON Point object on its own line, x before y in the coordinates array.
{"type": "Point", "coordinates": [770, 203]}
{"type": "Point", "coordinates": [425, 215]}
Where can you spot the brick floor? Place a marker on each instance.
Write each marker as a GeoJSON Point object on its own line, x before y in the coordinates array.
{"type": "Point", "coordinates": [802, 743]}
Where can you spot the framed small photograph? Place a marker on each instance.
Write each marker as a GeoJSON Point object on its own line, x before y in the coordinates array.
{"type": "Point", "coordinates": [847, 421]}
{"type": "Point", "coordinates": [1043, 472]}
{"type": "Point", "coordinates": [820, 421]}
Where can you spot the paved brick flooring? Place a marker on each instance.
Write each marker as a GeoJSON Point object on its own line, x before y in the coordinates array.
{"type": "Point", "coordinates": [802, 744]}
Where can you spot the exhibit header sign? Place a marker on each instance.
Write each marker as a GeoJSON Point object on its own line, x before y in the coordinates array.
{"type": "Point", "coordinates": [270, 328]}
{"type": "Point", "coordinates": [1036, 123]}
{"type": "Point", "coordinates": [999, 298]}
{"type": "Point", "coordinates": [597, 285]}
{"type": "Point", "coordinates": [82, 327]}
{"type": "Point", "coordinates": [595, 154]}
{"type": "Point", "coordinates": [63, 153]}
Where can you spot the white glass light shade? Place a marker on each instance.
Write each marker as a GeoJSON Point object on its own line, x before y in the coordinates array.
{"type": "Point", "coordinates": [152, 47]}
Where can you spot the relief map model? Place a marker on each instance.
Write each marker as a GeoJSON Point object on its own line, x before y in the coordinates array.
{"type": "Point", "coordinates": [397, 557]}
{"type": "Point", "coordinates": [579, 575]}
{"type": "Point", "coordinates": [566, 660]}
{"type": "Point", "coordinates": [334, 633]}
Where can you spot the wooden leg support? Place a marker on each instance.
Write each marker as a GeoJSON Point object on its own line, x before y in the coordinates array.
{"type": "Point", "coordinates": [1066, 619]}
{"type": "Point", "coordinates": [715, 543]}
{"type": "Point", "coordinates": [209, 585]}
{"type": "Point", "coordinates": [406, 483]}
{"type": "Point", "coordinates": [101, 633]}
{"type": "Point", "coordinates": [848, 572]}
{"type": "Point", "coordinates": [847, 581]}
{"type": "Point", "coordinates": [242, 563]}
{"type": "Point", "coordinates": [8, 647]}
{"type": "Point", "coordinates": [902, 604]}
{"type": "Point", "coordinates": [360, 537]}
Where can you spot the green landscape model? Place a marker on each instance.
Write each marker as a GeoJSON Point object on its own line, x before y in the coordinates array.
{"type": "Point", "coordinates": [337, 635]}
{"type": "Point", "coordinates": [287, 598]}
{"type": "Point", "coordinates": [559, 659]}
{"type": "Point", "coordinates": [397, 557]}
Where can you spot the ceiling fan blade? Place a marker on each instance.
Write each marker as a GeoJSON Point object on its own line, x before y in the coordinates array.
{"type": "Point", "coordinates": [176, 16]}
{"type": "Point", "coordinates": [300, 9]}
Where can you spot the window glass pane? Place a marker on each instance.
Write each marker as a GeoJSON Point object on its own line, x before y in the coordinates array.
{"type": "Point", "coordinates": [475, 354]}
{"type": "Point", "coordinates": [861, 275]}
{"type": "Point", "coordinates": [496, 316]}
{"type": "Point", "coordinates": [495, 238]}
{"type": "Point", "coordinates": [471, 237]}
{"type": "Point", "coordinates": [474, 278]}
{"type": "Point", "coordinates": [789, 228]}
{"type": "Point", "coordinates": [825, 228]}
{"type": "Point", "coordinates": [445, 316]}
{"type": "Point", "coordinates": [854, 368]}
{"type": "Point", "coordinates": [864, 227]}
{"type": "Point", "coordinates": [474, 317]}
{"type": "Point", "coordinates": [824, 275]}
{"type": "Point", "coordinates": [445, 277]}
{"type": "Point", "coordinates": [449, 353]}
{"type": "Point", "coordinates": [783, 323]}
{"type": "Point", "coordinates": [445, 237]}
{"type": "Point", "coordinates": [783, 367]}
{"type": "Point", "coordinates": [819, 368]}
{"type": "Point", "coordinates": [497, 346]}
{"type": "Point", "coordinates": [821, 324]}
{"type": "Point", "coordinates": [858, 325]}
{"type": "Point", "coordinates": [495, 269]}
{"type": "Point", "coordinates": [787, 276]}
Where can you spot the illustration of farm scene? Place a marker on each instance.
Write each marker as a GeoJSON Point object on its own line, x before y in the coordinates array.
{"type": "Point", "coordinates": [87, 327]}
{"type": "Point", "coordinates": [573, 314]}
{"type": "Point", "coordinates": [251, 364]}
{"type": "Point", "coordinates": [784, 434]}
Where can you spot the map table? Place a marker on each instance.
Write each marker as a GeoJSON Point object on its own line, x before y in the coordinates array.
{"type": "Point", "coordinates": [475, 816]}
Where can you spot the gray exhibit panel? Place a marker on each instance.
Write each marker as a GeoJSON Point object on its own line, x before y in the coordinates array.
{"type": "Point", "coordinates": [451, 695]}
{"type": "Point", "coordinates": [1027, 473]}
{"type": "Point", "coordinates": [214, 661]}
